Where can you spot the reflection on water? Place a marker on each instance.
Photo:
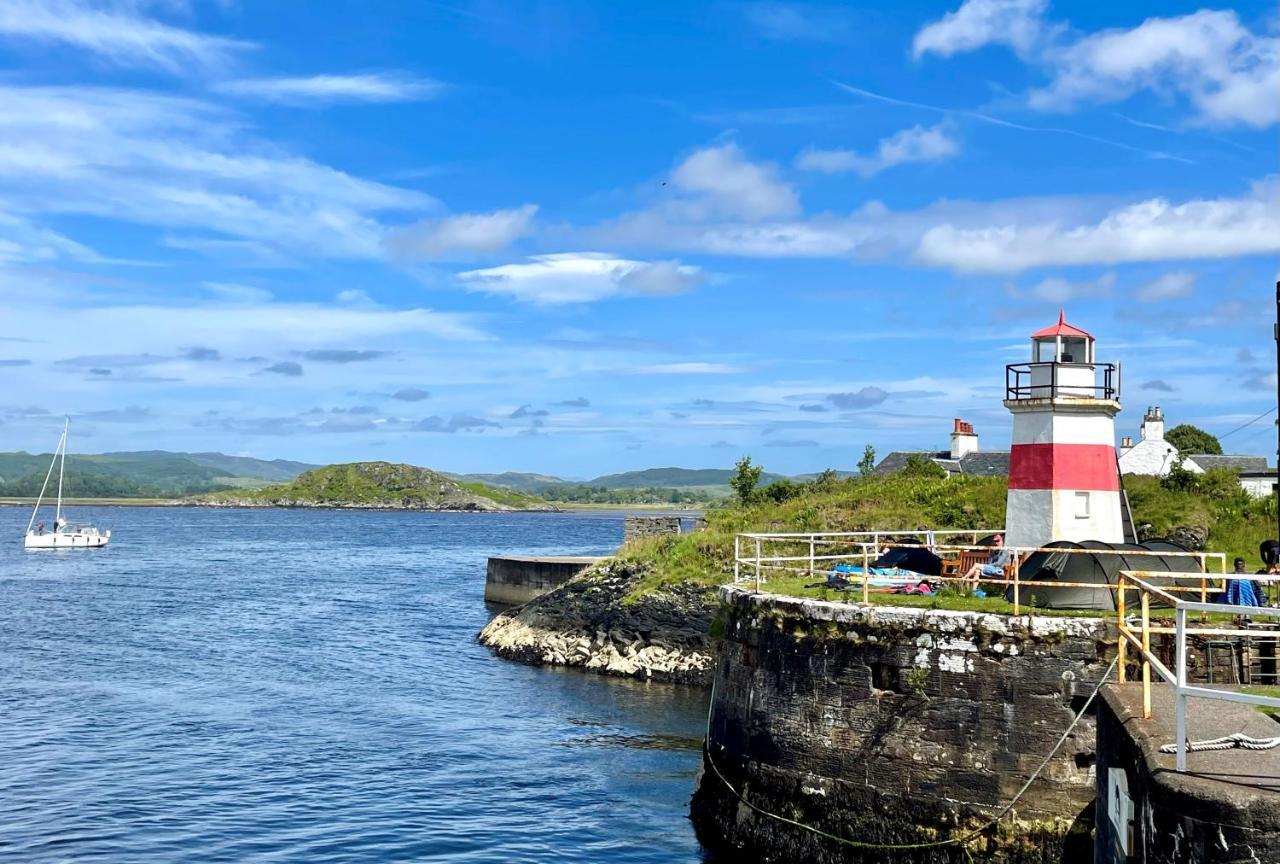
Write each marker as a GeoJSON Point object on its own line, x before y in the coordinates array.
{"type": "Point", "coordinates": [305, 686]}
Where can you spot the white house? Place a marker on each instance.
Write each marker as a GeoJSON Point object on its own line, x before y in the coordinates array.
{"type": "Point", "coordinates": [1153, 455]}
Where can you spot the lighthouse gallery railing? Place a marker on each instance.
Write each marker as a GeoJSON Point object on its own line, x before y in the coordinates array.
{"type": "Point", "coordinates": [1019, 378]}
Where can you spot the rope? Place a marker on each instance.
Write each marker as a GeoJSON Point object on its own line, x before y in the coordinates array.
{"type": "Point", "coordinates": [1227, 742]}
{"type": "Point", "coordinates": [962, 840]}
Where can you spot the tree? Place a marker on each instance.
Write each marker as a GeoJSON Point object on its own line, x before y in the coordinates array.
{"type": "Point", "coordinates": [922, 466]}
{"type": "Point", "coordinates": [867, 463]}
{"type": "Point", "coordinates": [744, 479]}
{"type": "Point", "coordinates": [1192, 439]}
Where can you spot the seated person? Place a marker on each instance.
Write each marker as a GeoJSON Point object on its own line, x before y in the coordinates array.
{"type": "Point", "coordinates": [996, 562]}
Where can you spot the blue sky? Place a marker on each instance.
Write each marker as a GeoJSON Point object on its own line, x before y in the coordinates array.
{"type": "Point", "coordinates": [587, 237]}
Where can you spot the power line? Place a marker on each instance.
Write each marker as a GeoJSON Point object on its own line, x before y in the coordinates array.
{"type": "Point", "coordinates": [1250, 423]}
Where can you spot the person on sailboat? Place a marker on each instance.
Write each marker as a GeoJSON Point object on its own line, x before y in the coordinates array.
{"type": "Point", "coordinates": [40, 528]}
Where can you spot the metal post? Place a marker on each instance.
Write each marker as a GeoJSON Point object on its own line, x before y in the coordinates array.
{"type": "Point", "coordinates": [1122, 647]}
{"type": "Point", "coordinates": [811, 540]}
{"type": "Point", "coordinates": [737, 557]}
{"type": "Point", "coordinates": [1277, 335]}
{"type": "Point", "coordinates": [757, 565]}
{"type": "Point", "coordinates": [1016, 593]}
{"type": "Point", "coordinates": [1179, 699]}
{"type": "Point", "coordinates": [1146, 656]}
{"type": "Point", "coordinates": [866, 572]}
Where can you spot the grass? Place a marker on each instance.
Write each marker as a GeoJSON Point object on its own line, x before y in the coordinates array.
{"type": "Point", "coordinates": [1234, 524]}
{"type": "Point", "coordinates": [1264, 690]}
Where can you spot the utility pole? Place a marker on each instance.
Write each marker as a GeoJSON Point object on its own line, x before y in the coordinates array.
{"type": "Point", "coordinates": [1277, 335]}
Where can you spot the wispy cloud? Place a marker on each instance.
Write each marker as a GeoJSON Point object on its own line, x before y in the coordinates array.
{"type": "Point", "coordinates": [582, 277]}
{"type": "Point", "coordinates": [341, 355]}
{"type": "Point", "coordinates": [692, 368]}
{"type": "Point", "coordinates": [329, 89]}
{"type": "Point", "coordinates": [285, 367]}
{"type": "Point", "coordinates": [116, 34]}
{"type": "Point", "coordinates": [1154, 230]}
{"type": "Point", "coordinates": [463, 234]}
{"type": "Point", "coordinates": [916, 144]}
{"type": "Point", "coordinates": [179, 163]}
{"type": "Point", "coordinates": [992, 120]}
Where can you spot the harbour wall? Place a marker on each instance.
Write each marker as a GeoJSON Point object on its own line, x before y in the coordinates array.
{"type": "Point", "coordinates": [891, 725]}
{"type": "Point", "coordinates": [517, 579]}
{"type": "Point", "coordinates": [1225, 809]}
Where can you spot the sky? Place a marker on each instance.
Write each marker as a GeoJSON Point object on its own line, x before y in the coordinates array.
{"type": "Point", "coordinates": [578, 238]}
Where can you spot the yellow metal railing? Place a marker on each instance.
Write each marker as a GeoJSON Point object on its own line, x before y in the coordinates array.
{"type": "Point", "coordinates": [1139, 637]}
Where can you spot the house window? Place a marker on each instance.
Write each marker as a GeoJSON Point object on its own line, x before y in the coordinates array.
{"type": "Point", "coordinates": [1082, 505]}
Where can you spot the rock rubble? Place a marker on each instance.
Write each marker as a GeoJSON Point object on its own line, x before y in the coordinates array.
{"type": "Point", "coordinates": [594, 623]}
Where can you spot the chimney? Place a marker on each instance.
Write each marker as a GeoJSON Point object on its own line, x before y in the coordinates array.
{"type": "Point", "coordinates": [963, 439]}
{"type": "Point", "coordinates": [1152, 425]}
{"type": "Point", "coordinates": [1126, 444]}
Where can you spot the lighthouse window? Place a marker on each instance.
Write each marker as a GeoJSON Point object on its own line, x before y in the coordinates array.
{"type": "Point", "coordinates": [1082, 505]}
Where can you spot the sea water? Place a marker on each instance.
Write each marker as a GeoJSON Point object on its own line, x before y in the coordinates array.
{"type": "Point", "coordinates": [290, 685]}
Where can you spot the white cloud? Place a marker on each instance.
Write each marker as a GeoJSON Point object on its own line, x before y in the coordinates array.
{"type": "Point", "coordinates": [465, 233]}
{"type": "Point", "coordinates": [1055, 289]}
{"type": "Point", "coordinates": [1016, 23]}
{"type": "Point", "coordinates": [1179, 283]}
{"type": "Point", "coordinates": [1153, 230]}
{"type": "Point", "coordinates": [325, 89]}
{"type": "Point", "coordinates": [916, 144]}
{"type": "Point", "coordinates": [686, 369]}
{"type": "Point", "coordinates": [794, 21]}
{"type": "Point", "coordinates": [1228, 74]}
{"type": "Point", "coordinates": [721, 181]}
{"type": "Point", "coordinates": [182, 164]}
{"type": "Point", "coordinates": [114, 33]}
{"type": "Point", "coordinates": [582, 277]}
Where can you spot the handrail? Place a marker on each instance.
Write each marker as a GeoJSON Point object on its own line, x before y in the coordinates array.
{"type": "Point", "coordinates": [759, 562]}
{"type": "Point", "coordinates": [1177, 677]}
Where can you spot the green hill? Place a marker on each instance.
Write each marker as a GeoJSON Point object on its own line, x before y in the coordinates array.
{"type": "Point", "coordinates": [142, 474]}
{"type": "Point", "coordinates": [519, 481]}
{"type": "Point", "coordinates": [378, 485]}
{"type": "Point", "coordinates": [671, 478]}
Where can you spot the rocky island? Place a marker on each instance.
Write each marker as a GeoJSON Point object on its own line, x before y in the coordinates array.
{"type": "Point", "coordinates": [377, 486]}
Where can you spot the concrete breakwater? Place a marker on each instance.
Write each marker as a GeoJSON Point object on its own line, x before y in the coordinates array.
{"type": "Point", "coordinates": [516, 579]}
{"type": "Point", "coordinates": [591, 622]}
{"type": "Point", "coordinates": [894, 725]}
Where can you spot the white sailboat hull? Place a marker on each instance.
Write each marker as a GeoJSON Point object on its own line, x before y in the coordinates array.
{"type": "Point", "coordinates": [91, 539]}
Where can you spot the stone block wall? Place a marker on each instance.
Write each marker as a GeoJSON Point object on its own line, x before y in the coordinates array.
{"type": "Point", "coordinates": [896, 725]}
{"type": "Point", "coordinates": [643, 527]}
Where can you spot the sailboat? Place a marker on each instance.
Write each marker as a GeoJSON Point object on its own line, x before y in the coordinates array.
{"type": "Point", "coordinates": [61, 537]}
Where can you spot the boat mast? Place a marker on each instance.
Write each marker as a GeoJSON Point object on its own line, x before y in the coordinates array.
{"type": "Point", "coordinates": [62, 466]}
{"type": "Point", "coordinates": [45, 486]}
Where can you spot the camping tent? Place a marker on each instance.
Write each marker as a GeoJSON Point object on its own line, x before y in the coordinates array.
{"type": "Point", "coordinates": [1095, 563]}
{"type": "Point", "coordinates": [917, 559]}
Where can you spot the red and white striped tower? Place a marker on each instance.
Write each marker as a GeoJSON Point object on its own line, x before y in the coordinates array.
{"type": "Point", "coordinates": [1064, 482]}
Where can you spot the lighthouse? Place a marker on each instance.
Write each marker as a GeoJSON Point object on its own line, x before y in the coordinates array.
{"type": "Point", "coordinates": [1064, 480]}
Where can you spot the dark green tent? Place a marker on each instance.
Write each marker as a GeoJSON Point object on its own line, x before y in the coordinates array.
{"type": "Point", "coordinates": [1096, 563]}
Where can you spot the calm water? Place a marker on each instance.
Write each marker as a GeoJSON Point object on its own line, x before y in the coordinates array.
{"type": "Point", "coordinates": [305, 686]}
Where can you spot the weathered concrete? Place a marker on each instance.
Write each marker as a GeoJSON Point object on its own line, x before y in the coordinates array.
{"type": "Point", "coordinates": [517, 579]}
{"type": "Point", "coordinates": [1224, 810]}
{"type": "Point", "coordinates": [643, 527]}
{"type": "Point", "coordinates": [897, 725]}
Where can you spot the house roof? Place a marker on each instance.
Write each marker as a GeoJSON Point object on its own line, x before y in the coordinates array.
{"type": "Point", "coordinates": [1062, 328]}
{"type": "Point", "coordinates": [980, 463]}
{"type": "Point", "coordinates": [1239, 463]}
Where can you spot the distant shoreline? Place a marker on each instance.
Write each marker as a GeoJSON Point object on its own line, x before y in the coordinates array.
{"type": "Point", "coordinates": [178, 502]}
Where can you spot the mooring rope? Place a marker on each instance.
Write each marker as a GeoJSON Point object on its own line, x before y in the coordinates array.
{"type": "Point", "coordinates": [1227, 742]}
{"type": "Point", "coordinates": [962, 840]}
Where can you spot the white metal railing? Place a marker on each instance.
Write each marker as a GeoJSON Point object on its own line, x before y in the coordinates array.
{"type": "Point", "coordinates": [820, 551]}
{"type": "Point", "coordinates": [1177, 677]}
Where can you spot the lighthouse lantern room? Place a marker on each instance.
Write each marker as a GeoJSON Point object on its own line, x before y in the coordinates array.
{"type": "Point", "coordinates": [1064, 480]}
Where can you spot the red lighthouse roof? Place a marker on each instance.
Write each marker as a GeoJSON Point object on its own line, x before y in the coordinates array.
{"type": "Point", "coordinates": [1062, 328]}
